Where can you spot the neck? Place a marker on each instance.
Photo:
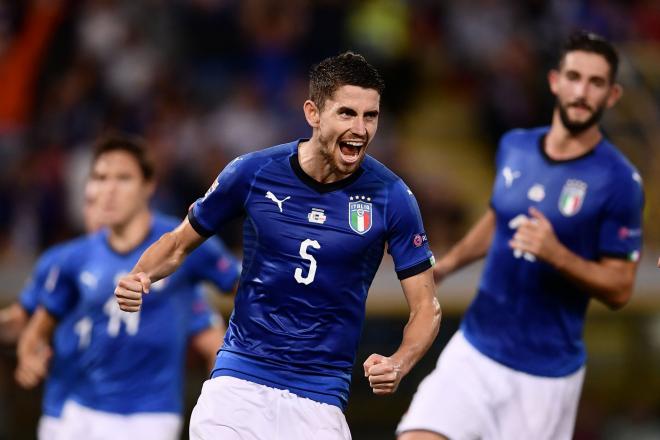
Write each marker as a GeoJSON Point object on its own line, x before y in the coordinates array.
{"type": "Point", "coordinates": [561, 144]}
{"type": "Point", "coordinates": [126, 237]}
{"type": "Point", "coordinates": [316, 164]}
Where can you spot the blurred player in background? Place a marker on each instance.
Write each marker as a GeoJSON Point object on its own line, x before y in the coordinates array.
{"type": "Point", "coordinates": [564, 226]}
{"type": "Point", "coordinates": [105, 400]}
{"type": "Point", "coordinates": [62, 358]}
{"type": "Point", "coordinates": [205, 332]}
{"type": "Point", "coordinates": [318, 212]}
{"type": "Point", "coordinates": [15, 316]}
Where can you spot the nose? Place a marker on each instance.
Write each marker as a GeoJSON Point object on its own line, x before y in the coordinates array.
{"type": "Point", "coordinates": [580, 89]}
{"type": "Point", "coordinates": [359, 127]}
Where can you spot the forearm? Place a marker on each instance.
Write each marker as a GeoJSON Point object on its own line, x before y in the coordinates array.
{"type": "Point", "coordinates": [160, 259]}
{"type": "Point", "coordinates": [610, 283]}
{"type": "Point", "coordinates": [34, 349]}
{"type": "Point", "coordinates": [168, 253]}
{"type": "Point", "coordinates": [39, 329]}
{"type": "Point", "coordinates": [207, 343]}
{"type": "Point", "coordinates": [470, 248]}
{"type": "Point", "coordinates": [13, 320]}
{"type": "Point", "coordinates": [418, 335]}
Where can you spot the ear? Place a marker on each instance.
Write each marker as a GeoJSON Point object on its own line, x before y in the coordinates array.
{"type": "Point", "coordinates": [312, 113]}
{"type": "Point", "coordinates": [615, 94]}
{"type": "Point", "coordinates": [553, 80]}
{"type": "Point", "coordinates": [150, 188]}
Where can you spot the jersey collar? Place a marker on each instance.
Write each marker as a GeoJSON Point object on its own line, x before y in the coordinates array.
{"type": "Point", "coordinates": [314, 184]}
{"type": "Point", "coordinates": [552, 161]}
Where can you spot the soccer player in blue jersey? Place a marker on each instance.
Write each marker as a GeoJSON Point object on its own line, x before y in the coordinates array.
{"type": "Point", "coordinates": [105, 401]}
{"type": "Point", "coordinates": [61, 359]}
{"type": "Point", "coordinates": [564, 226]}
{"type": "Point", "coordinates": [319, 213]}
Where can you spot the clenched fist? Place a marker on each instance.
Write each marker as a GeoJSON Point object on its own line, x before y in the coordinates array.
{"type": "Point", "coordinates": [130, 289]}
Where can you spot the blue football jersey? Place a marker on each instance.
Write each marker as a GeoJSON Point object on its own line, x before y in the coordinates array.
{"type": "Point", "coordinates": [526, 315]}
{"type": "Point", "coordinates": [42, 275]}
{"type": "Point", "coordinates": [133, 362]}
{"type": "Point", "coordinates": [67, 338]}
{"type": "Point", "coordinates": [311, 251]}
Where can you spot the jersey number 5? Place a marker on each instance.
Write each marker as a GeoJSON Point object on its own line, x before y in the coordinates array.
{"type": "Point", "coordinates": [312, 262]}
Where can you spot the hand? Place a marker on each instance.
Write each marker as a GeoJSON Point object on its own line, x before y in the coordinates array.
{"type": "Point", "coordinates": [130, 289]}
{"type": "Point", "coordinates": [33, 357]}
{"type": "Point", "coordinates": [536, 236]}
{"type": "Point", "coordinates": [384, 374]}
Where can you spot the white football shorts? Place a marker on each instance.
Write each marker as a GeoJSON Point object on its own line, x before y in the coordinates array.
{"type": "Point", "coordinates": [80, 422]}
{"type": "Point", "coordinates": [48, 427]}
{"type": "Point", "coordinates": [234, 409]}
{"type": "Point", "coordinates": [470, 396]}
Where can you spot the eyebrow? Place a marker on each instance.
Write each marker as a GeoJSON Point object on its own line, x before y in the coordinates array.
{"type": "Point", "coordinates": [348, 110]}
{"type": "Point", "coordinates": [352, 112]}
{"type": "Point", "coordinates": [589, 77]}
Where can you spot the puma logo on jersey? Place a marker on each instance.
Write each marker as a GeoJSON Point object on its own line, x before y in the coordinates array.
{"type": "Point", "coordinates": [509, 176]}
{"type": "Point", "coordinates": [271, 196]}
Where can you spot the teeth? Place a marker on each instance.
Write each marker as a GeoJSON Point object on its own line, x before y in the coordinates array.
{"type": "Point", "coordinates": [354, 144]}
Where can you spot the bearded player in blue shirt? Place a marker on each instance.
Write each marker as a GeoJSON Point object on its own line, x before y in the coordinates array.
{"type": "Point", "coordinates": [104, 401]}
{"type": "Point", "coordinates": [319, 213]}
{"type": "Point", "coordinates": [564, 226]}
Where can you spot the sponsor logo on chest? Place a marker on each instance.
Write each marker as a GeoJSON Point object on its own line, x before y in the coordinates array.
{"type": "Point", "coordinates": [360, 214]}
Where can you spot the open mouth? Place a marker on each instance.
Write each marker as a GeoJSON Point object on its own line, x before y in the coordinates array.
{"type": "Point", "coordinates": [350, 150]}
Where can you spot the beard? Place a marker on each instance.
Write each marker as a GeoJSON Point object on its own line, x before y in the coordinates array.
{"type": "Point", "coordinates": [577, 127]}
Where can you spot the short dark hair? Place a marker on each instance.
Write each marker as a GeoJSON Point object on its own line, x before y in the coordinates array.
{"type": "Point", "coordinates": [348, 68]}
{"type": "Point", "coordinates": [131, 145]}
{"type": "Point", "coordinates": [591, 42]}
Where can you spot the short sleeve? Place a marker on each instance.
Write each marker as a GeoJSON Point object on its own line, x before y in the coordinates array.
{"type": "Point", "coordinates": [407, 241]}
{"type": "Point", "coordinates": [202, 316]}
{"type": "Point", "coordinates": [61, 293]}
{"type": "Point", "coordinates": [621, 226]}
{"type": "Point", "coordinates": [213, 262]}
{"type": "Point", "coordinates": [225, 198]}
{"type": "Point", "coordinates": [43, 278]}
{"type": "Point", "coordinates": [30, 296]}
{"type": "Point", "coordinates": [500, 158]}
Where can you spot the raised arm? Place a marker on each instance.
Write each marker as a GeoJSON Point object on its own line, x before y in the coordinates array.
{"type": "Point", "coordinates": [159, 260]}
{"type": "Point", "coordinates": [470, 248]}
{"type": "Point", "coordinates": [34, 349]}
{"type": "Point", "coordinates": [385, 373]}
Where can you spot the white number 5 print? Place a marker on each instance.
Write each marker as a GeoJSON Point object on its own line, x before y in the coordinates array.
{"type": "Point", "coordinates": [312, 262]}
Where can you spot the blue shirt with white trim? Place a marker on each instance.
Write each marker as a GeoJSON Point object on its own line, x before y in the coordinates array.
{"type": "Point", "coordinates": [311, 251]}
{"type": "Point", "coordinates": [526, 315]}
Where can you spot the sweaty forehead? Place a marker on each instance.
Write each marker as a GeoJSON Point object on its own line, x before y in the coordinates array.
{"type": "Point", "coordinates": [586, 63]}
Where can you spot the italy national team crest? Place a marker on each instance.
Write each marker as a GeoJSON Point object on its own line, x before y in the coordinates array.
{"type": "Point", "coordinates": [360, 214]}
{"type": "Point", "coordinates": [572, 197]}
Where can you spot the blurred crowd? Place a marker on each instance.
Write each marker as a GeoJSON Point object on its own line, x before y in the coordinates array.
{"type": "Point", "coordinates": [205, 80]}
